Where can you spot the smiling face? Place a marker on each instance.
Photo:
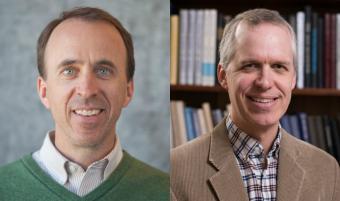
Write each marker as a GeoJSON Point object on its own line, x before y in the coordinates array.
{"type": "Point", "coordinates": [260, 77]}
{"type": "Point", "coordinates": [86, 85]}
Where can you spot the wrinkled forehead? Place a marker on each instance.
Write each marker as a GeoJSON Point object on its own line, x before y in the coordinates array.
{"type": "Point", "coordinates": [80, 38]}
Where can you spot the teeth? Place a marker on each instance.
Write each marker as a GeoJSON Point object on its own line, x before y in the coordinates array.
{"type": "Point", "coordinates": [262, 100]}
{"type": "Point", "coordinates": [87, 112]}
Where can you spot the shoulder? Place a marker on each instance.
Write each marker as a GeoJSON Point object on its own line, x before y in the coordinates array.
{"type": "Point", "coordinates": [11, 169]}
{"type": "Point", "coordinates": [192, 149]}
{"type": "Point", "coordinates": [13, 176]}
{"type": "Point", "coordinates": [146, 180]}
{"type": "Point", "coordinates": [145, 170]}
{"type": "Point", "coordinates": [190, 162]}
{"type": "Point", "coordinates": [306, 152]}
{"type": "Point", "coordinates": [315, 162]}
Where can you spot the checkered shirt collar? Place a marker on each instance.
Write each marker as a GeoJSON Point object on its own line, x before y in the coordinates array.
{"type": "Point", "coordinates": [246, 147]}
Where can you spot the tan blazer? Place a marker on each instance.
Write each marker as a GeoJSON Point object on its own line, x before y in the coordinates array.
{"type": "Point", "coordinates": [205, 169]}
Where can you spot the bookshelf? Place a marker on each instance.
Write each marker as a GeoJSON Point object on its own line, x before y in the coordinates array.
{"type": "Point", "coordinates": [311, 101]}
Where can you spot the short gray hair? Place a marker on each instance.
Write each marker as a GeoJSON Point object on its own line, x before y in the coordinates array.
{"type": "Point", "coordinates": [252, 17]}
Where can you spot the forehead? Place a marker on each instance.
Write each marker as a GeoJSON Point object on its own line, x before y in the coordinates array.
{"type": "Point", "coordinates": [85, 39]}
{"type": "Point", "coordinates": [264, 40]}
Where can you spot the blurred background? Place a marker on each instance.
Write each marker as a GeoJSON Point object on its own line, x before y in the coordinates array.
{"type": "Point", "coordinates": [143, 127]}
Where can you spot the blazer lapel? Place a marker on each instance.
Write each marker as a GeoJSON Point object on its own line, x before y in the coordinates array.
{"type": "Point", "coordinates": [227, 181]}
{"type": "Point", "coordinates": [290, 173]}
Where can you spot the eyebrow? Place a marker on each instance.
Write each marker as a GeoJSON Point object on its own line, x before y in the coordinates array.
{"type": "Point", "coordinates": [106, 62]}
{"type": "Point", "coordinates": [68, 62]}
{"type": "Point", "coordinates": [247, 61]}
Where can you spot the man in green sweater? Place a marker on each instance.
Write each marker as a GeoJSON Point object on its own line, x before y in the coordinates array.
{"type": "Point", "coordinates": [86, 67]}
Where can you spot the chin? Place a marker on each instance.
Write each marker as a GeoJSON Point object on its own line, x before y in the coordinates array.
{"type": "Point", "coordinates": [87, 138]}
{"type": "Point", "coordinates": [265, 120]}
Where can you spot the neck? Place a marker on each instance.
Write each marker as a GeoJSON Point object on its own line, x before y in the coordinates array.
{"type": "Point", "coordinates": [265, 135]}
{"type": "Point", "coordinates": [265, 139]}
{"type": "Point", "coordinates": [81, 154]}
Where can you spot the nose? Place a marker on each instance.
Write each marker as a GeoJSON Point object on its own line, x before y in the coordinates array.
{"type": "Point", "coordinates": [87, 85]}
{"type": "Point", "coordinates": [264, 78]}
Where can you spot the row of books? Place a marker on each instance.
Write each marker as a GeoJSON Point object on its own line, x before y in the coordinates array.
{"type": "Point", "coordinates": [320, 130]}
{"type": "Point", "coordinates": [196, 33]}
{"type": "Point", "coordinates": [193, 47]}
{"type": "Point", "coordinates": [188, 123]}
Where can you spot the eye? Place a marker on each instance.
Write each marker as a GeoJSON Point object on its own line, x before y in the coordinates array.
{"type": "Point", "coordinates": [279, 67]}
{"type": "Point", "coordinates": [249, 66]}
{"type": "Point", "coordinates": [103, 71]}
{"type": "Point", "coordinates": [69, 72]}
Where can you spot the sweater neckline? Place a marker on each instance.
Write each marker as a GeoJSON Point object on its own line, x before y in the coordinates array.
{"type": "Point", "coordinates": [115, 177]}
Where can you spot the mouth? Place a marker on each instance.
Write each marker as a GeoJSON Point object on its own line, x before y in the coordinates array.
{"type": "Point", "coordinates": [266, 100]}
{"type": "Point", "coordinates": [87, 112]}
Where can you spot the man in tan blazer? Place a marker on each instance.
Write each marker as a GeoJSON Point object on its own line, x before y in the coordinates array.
{"type": "Point", "coordinates": [248, 156]}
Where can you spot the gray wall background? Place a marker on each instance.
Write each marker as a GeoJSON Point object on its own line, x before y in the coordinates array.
{"type": "Point", "coordinates": [143, 127]}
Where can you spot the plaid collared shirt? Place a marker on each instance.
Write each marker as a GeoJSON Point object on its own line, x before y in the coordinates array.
{"type": "Point", "coordinates": [259, 172]}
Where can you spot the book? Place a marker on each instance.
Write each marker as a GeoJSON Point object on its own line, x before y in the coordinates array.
{"type": "Point", "coordinates": [294, 125]}
{"type": "Point", "coordinates": [327, 51]}
{"type": "Point", "coordinates": [174, 23]}
{"type": "Point", "coordinates": [308, 22]}
{"type": "Point", "coordinates": [183, 44]}
{"type": "Point", "coordinates": [304, 132]}
{"type": "Point", "coordinates": [190, 68]}
{"type": "Point", "coordinates": [199, 48]}
{"type": "Point", "coordinates": [321, 58]}
{"type": "Point", "coordinates": [284, 121]}
{"type": "Point", "coordinates": [338, 51]}
{"type": "Point", "coordinates": [178, 136]}
{"type": "Point", "coordinates": [314, 50]}
{"type": "Point", "coordinates": [300, 22]}
{"type": "Point", "coordinates": [189, 123]}
{"type": "Point", "coordinates": [333, 74]}
{"type": "Point", "coordinates": [209, 44]}
{"type": "Point", "coordinates": [320, 132]}
{"type": "Point", "coordinates": [328, 134]}
{"type": "Point", "coordinates": [202, 121]}
{"type": "Point", "coordinates": [312, 131]}
{"type": "Point", "coordinates": [207, 116]}
{"type": "Point", "coordinates": [182, 132]}
{"type": "Point", "coordinates": [197, 126]}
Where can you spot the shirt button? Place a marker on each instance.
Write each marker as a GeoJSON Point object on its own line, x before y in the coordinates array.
{"type": "Point", "coordinates": [73, 168]}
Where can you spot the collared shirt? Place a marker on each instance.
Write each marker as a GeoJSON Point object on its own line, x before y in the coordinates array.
{"type": "Point", "coordinates": [259, 172]}
{"type": "Point", "coordinates": [71, 175]}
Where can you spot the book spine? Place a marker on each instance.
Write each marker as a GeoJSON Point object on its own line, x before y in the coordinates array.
{"type": "Point", "coordinates": [308, 46]}
{"type": "Point", "coordinates": [191, 47]}
{"type": "Point", "coordinates": [314, 50]}
{"type": "Point", "coordinates": [183, 51]}
{"type": "Point", "coordinates": [189, 123]}
{"type": "Point", "coordinates": [199, 47]}
{"type": "Point", "coordinates": [338, 51]}
{"type": "Point", "coordinates": [174, 21]}
{"type": "Point", "coordinates": [321, 57]}
{"type": "Point", "coordinates": [300, 49]}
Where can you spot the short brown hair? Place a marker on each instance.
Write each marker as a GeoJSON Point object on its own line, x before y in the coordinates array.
{"type": "Point", "coordinates": [252, 17]}
{"type": "Point", "coordinates": [87, 14]}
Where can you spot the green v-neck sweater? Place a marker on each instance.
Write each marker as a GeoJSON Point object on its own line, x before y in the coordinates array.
{"type": "Point", "coordinates": [132, 180]}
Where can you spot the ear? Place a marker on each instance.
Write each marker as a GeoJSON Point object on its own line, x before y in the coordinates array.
{"type": "Point", "coordinates": [293, 82]}
{"type": "Point", "coordinates": [222, 76]}
{"type": "Point", "coordinates": [129, 92]}
{"type": "Point", "coordinates": [42, 91]}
